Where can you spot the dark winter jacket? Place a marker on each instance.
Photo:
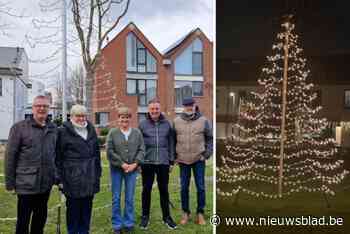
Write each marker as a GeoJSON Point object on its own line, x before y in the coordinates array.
{"type": "Point", "coordinates": [159, 141]}
{"type": "Point", "coordinates": [194, 138]}
{"type": "Point", "coordinates": [121, 151]}
{"type": "Point", "coordinates": [78, 161]}
{"type": "Point", "coordinates": [30, 157]}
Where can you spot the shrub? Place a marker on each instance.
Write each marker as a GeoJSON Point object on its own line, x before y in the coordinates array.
{"type": "Point", "coordinates": [101, 141]}
{"type": "Point", "coordinates": [104, 131]}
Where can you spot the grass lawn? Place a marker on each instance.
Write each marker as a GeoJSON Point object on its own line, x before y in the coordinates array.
{"type": "Point", "coordinates": [301, 204]}
{"type": "Point", "coordinates": [101, 217]}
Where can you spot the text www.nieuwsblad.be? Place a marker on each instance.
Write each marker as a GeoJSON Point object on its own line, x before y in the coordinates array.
{"type": "Point", "coordinates": [284, 221]}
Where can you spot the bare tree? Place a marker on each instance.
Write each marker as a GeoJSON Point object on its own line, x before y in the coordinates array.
{"type": "Point", "coordinates": [76, 84]}
{"type": "Point", "coordinates": [94, 20]}
{"type": "Point", "coordinates": [7, 12]}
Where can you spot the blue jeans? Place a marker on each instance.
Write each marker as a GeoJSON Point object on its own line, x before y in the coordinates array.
{"type": "Point", "coordinates": [117, 177]}
{"type": "Point", "coordinates": [199, 176]}
{"type": "Point", "coordinates": [78, 214]}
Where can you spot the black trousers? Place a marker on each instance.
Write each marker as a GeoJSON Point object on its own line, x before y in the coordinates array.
{"type": "Point", "coordinates": [35, 206]}
{"type": "Point", "coordinates": [148, 173]}
{"type": "Point", "coordinates": [78, 214]}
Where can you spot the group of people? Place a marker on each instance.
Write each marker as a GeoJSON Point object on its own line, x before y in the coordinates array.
{"type": "Point", "coordinates": [39, 155]}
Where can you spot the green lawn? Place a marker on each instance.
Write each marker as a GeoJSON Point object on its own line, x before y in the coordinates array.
{"type": "Point", "coordinates": [101, 222]}
{"type": "Point", "coordinates": [301, 204]}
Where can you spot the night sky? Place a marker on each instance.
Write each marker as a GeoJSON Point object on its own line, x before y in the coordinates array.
{"type": "Point", "coordinates": [247, 29]}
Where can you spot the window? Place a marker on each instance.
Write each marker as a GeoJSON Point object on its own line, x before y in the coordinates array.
{"type": "Point", "coordinates": [101, 118]}
{"type": "Point", "coordinates": [131, 87]}
{"type": "Point", "coordinates": [185, 89]}
{"type": "Point", "coordinates": [138, 58]}
{"type": "Point", "coordinates": [146, 90]}
{"type": "Point", "coordinates": [190, 61]}
{"type": "Point", "coordinates": [197, 87]}
{"type": "Point", "coordinates": [347, 98]}
{"type": "Point", "coordinates": [141, 116]}
{"type": "Point", "coordinates": [197, 63]}
{"type": "Point", "coordinates": [0, 86]}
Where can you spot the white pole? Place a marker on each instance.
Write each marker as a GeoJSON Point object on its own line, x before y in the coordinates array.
{"type": "Point", "coordinates": [64, 59]}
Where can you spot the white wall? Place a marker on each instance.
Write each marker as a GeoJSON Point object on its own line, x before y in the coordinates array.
{"type": "Point", "coordinates": [38, 88]}
{"type": "Point", "coordinates": [6, 107]}
{"type": "Point", "coordinates": [7, 118]}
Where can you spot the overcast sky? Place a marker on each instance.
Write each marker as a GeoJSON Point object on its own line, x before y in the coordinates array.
{"type": "Point", "coordinates": [162, 21]}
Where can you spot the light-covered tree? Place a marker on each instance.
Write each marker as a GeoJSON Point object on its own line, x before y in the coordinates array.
{"type": "Point", "coordinates": [283, 150]}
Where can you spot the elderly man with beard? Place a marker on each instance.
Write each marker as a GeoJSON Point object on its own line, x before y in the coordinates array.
{"type": "Point", "coordinates": [194, 145]}
{"type": "Point", "coordinates": [30, 168]}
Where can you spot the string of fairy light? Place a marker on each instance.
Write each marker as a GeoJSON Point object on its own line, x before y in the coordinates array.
{"type": "Point", "coordinates": [310, 164]}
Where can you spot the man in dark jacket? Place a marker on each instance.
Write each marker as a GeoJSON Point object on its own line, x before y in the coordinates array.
{"type": "Point", "coordinates": [79, 168]}
{"type": "Point", "coordinates": [30, 168]}
{"type": "Point", "coordinates": [194, 144]}
{"type": "Point", "coordinates": [159, 142]}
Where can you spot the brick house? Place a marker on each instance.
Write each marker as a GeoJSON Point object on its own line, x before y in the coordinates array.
{"type": "Point", "coordinates": [132, 72]}
{"type": "Point", "coordinates": [190, 72]}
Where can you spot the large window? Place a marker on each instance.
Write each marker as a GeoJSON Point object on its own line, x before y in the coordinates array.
{"type": "Point", "coordinates": [185, 89]}
{"type": "Point", "coordinates": [0, 86]}
{"type": "Point", "coordinates": [141, 117]}
{"type": "Point", "coordinates": [190, 61]}
{"type": "Point", "coordinates": [138, 58]}
{"type": "Point", "coordinates": [145, 90]}
{"type": "Point", "coordinates": [347, 98]}
{"type": "Point", "coordinates": [101, 118]}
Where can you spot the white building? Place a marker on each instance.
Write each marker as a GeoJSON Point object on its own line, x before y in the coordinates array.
{"type": "Point", "coordinates": [38, 88]}
{"type": "Point", "coordinates": [14, 86]}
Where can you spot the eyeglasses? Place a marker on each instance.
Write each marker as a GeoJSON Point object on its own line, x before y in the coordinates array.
{"type": "Point", "coordinates": [41, 106]}
{"type": "Point", "coordinates": [80, 116]}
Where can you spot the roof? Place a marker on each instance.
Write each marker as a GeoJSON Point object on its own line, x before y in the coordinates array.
{"type": "Point", "coordinates": [134, 29]}
{"type": "Point", "coordinates": [10, 56]}
{"type": "Point", "coordinates": [178, 42]}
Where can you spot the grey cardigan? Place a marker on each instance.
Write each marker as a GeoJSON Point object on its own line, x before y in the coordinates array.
{"type": "Point", "coordinates": [121, 151]}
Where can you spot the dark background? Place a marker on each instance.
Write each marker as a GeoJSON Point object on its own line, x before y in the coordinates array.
{"type": "Point", "coordinates": [246, 30]}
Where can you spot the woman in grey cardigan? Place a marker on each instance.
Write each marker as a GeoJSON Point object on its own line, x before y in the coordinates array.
{"type": "Point", "coordinates": [125, 152]}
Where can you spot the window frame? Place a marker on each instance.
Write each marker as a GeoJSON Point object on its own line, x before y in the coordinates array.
{"type": "Point", "coordinates": [201, 63]}
{"type": "Point", "coordinates": [192, 93]}
{"type": "Point", "coordinates": [202, 89]}
{"type": "Point", "coordinates": [98, 119]}
{"type": "Point", "coordinates": [138, 93]}
{"type": "Point", "coordinates": [346, 104]}
{"type": "Point", "coordinates": [131, 94]}
{"type": "Point", "coordinates": [1, 84]}
{"type": "Point", "coordinates": [139, 46]}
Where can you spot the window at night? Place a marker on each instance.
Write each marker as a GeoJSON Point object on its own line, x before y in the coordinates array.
{"type": "Point", "coordinates": [347, 98]}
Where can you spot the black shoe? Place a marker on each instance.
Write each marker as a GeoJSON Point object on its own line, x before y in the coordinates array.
{"type": "Point", "coordinates": [129, 229]}
{"type": "Point", "coordinates": [117, 231]}
{"type": "Point", "coordinates": [144, 222]}
{"type": "Point", "coordinates": [170, 223]}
